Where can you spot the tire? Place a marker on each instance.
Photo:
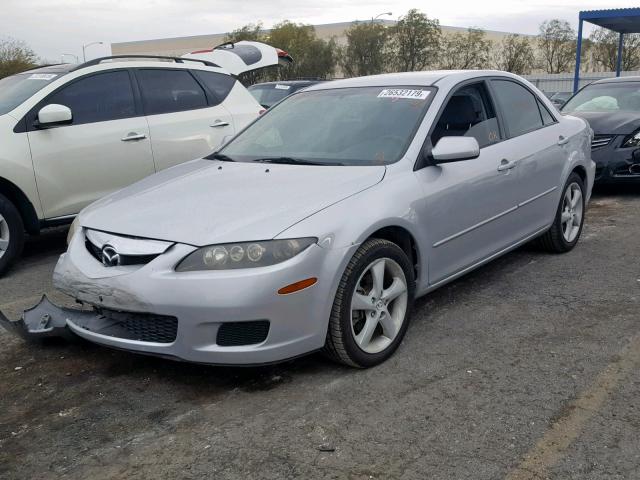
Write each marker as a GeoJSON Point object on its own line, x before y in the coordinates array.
{"type": "Point", "coordinates": [347, 333]}
{"type": "Point", "coordinates": [11, 234]}
{"type": "Point", "coordinates": [555, 240]}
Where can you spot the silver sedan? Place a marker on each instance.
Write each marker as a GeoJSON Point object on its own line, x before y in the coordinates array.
{"type": "Point", "coordinates": [318, 225]}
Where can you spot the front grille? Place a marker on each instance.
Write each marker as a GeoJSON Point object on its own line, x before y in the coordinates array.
{"type": "Point", "coordinates": [234, 334]}
{"type": "Point", "coordinates": [143, 327]}
{"type": "Point", "coordinates": [96, 253]}
{"type": "Point", "coordinates": [600, 141]}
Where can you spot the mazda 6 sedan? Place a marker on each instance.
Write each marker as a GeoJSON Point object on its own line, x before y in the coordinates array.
{"type": "Point", "coordinates": [317, 226]}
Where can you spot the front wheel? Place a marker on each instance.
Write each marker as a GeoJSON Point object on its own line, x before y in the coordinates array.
{"type": "Point", "coordinates": [370, 314]}
{"type": "Point", "coordinates": [11, 234]}
{"type": "Point", "coordinates": [567, 225]}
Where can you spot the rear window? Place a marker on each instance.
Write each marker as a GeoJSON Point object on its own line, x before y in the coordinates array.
{"type": "Point", "coordinates": [168, 91]}
{"type": "Point", "coordinates": [519, 106]}
{"type": "Point", "coordinates": [269, 95]}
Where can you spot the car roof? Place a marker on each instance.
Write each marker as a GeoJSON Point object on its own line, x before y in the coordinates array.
{"type": "Point", "coordinates": [59, 68]}
{"type": "Point", "coordinates": [619, 79]}
{"type": "Point", "coordinates": [426, 79]}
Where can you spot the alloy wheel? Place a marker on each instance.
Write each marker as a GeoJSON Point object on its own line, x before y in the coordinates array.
{"type": "Point", "coordinates": [4, 236]}
{"type": "Point", "coordinates": [572, 212]}
{"type": "Point", "coordinates": [379, 305]}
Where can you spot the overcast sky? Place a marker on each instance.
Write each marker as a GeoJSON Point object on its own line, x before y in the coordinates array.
{"type": "Point", "coordinates": [53, 27]}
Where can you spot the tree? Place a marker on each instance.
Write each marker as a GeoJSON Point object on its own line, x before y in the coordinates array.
{"type": "Point", "coordinates": [414, 42]}
{"type": "Point", "coordinates": [514, 54]}
{"type": "Point", "coordinates": [365, 52]}
{"type": "Point", "coordinates": [15, 57]}
{"type": "Point", "coordinates": [604, 45]}
{"type": "Point", "coordinates": [251, 31]}
{"type": "Point", "coordinates": [463, 51]}
{"type": "Point", "coordinates": [557, 45]}
{"type": "Point", "coordinates": [312, 56]}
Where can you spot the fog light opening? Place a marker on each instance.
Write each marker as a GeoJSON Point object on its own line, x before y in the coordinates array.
{"type": "Point", "coordinates": [297, 286]}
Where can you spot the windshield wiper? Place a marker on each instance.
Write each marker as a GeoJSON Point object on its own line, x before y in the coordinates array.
{"type": "Point", "coordinates": [292, 161]}
{"type": "Point", "coordinates": [220, 156]}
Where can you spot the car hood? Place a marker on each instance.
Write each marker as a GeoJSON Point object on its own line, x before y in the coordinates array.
{"type": "Point", "coordinates": [204, 202]}
{"type": "Point", "coordinates": [611, 123]}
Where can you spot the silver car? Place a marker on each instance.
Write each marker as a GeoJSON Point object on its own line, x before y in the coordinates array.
{"type": "Point", "coordinates": [318, 225]}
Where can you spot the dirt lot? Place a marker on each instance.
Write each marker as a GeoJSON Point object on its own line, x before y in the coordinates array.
{"type": "Point", "coordinates": [528, 368]}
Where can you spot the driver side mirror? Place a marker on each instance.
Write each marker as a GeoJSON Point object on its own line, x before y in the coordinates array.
{"type": "Point", "coordinates": [53, 115]}
{"type": "Point", "coordinates": [455, 149]}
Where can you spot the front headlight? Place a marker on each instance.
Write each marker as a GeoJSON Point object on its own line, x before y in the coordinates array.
{"type": "Point", "coordinates": [72, 230]}
{"type": "Point", "coordinates": [632, 140]}
{"type": "Point", "coordinates": [230, 256]}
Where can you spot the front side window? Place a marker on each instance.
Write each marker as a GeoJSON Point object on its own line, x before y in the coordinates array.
{"type": "Point", "coordinates": [343, 126]}
{"type": "Point", "coordinates": [519, 107]}
{"type": "Point", "coordinates": [606, 97]}
{"type": "Point", "coordinates": [468, 113]}
{"type": "Point", "coordinates": [168, 91]}
{"type": "Point", "coordinates": [97, 98]}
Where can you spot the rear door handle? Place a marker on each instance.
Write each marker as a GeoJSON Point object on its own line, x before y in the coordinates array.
{"type": "Point", "coordinates": [506, 165]}
{"type": "Point", "coordinates": [133, 136]}
{"type": "Point", "coordinates": [219, 123]}
{"type": "Point", "coordinates": [562, 140]}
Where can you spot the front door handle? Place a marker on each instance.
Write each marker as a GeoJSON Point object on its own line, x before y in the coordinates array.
{"type": "Point", "coordinates": [562, 140]}
{"type": "Point", "coordinates": [219, 123]}
{"type": "Point", "coordinates": [133, 136]}
{"type": "Point", "coordinates": [506, 165]}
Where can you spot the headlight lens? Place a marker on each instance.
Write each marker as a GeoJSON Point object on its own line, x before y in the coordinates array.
{"type": "Point", "coordinates": [72, 230]}
{"type": "Point", "coordinates": [232, 256]}
{"type": "Point", "coordinates": [632, 140]}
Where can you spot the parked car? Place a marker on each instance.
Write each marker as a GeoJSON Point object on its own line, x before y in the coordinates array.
{"type": "Point", "coordinates": [364, 194]}
{"type": "Point", "coordinates": [268, 94]}
{"type": "Point", "coordinates": [612, 108]}
{"type": "Point", "coordinates": [560, 98]}
{"type": "Point", "coordinates": [72, 134]}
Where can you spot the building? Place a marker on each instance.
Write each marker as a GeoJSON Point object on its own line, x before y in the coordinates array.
{"type": "Point", "coordinates": [180, 45]}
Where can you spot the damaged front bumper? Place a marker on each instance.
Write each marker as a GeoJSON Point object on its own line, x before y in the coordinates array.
{"type": "Point", "coordinates": [45, 320]}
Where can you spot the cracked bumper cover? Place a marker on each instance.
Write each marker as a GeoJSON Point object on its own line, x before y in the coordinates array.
{"type": "Point", "coordinates": [47, 320]}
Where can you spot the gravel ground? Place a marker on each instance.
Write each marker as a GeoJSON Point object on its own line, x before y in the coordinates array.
{"type": "Point", "coordinates": [528, 368]}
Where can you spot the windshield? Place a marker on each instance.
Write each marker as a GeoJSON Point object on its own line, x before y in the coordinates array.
{"type": "Point", "coordinates": [606, 97]}
{"type": "Point", "coordinates": [346, 126]}
{"type": "Point", "coordinates": [269, 95]}
{"type": "Point", "coordinates": [16, 89]}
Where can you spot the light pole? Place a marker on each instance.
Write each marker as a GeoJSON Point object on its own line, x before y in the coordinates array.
{"type": "Point", "coordinates": [84, 48]}
{"type": "Point", "coordinates": [380, 15]}
{"type": "Point", "coordinates": [68, 55]}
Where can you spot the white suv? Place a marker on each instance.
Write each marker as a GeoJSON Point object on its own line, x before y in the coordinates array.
{"type": "Point", "coordinates": [72, 134]}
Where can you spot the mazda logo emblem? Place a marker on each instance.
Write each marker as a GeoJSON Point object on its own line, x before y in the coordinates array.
{"type": "Point", "coordinates": [110, 258]}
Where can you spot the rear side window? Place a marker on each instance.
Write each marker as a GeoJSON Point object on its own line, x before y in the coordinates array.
{"type": "Point", "coordinates": [218, 84]}
{"type": "Point", "coordinates": [167, 91]}
{"type": "Point", "coordinates": [547, 118]}
{"type": "Point", "coordinates": [519, 107]}
{"type": "Point", "coordinates": [97, 98]}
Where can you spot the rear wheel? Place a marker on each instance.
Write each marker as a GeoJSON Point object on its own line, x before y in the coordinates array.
{"type": "Point", "coordinates": [371, 310]}
{"type": "Point", "coordinates": [567, 225]}
{"type": "Point", "coordinates": [11, 234]}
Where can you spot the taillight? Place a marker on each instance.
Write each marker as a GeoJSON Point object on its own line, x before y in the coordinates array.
{"type": "Point", "coordinates": [262, 111]}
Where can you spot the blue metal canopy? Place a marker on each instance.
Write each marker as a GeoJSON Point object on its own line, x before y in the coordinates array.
{"type": "Point", "coordinates": [620, 20]}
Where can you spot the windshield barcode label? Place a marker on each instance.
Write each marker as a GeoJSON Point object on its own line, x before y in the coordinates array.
{"type": "Point", "coordinates": [403, 93]}
{"type": "Point", "coordinates": [42, 76]}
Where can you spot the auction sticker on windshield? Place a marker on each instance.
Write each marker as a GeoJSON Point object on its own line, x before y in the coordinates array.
{"type": "Point", "coordinates": [403, 93]}
{"type": "Point", "coordinates": [42, 76]}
